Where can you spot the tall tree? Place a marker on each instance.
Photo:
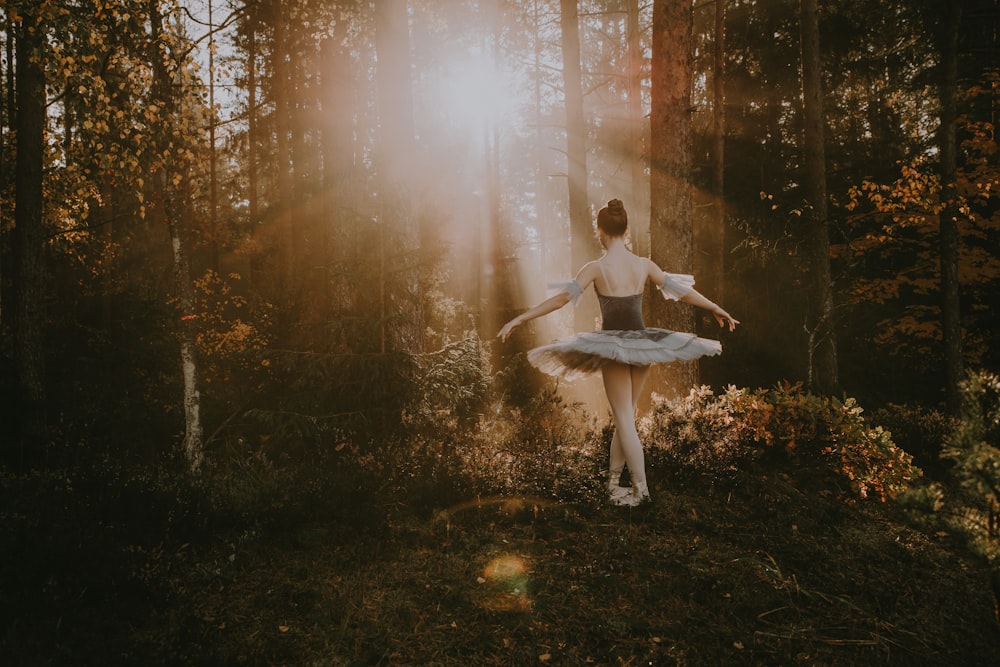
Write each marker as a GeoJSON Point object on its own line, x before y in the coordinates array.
{"type": "Point", "coordinates": [636, 129]}
{"type": "Point", "coordinates": [671, 203]}
{"type": "Point", "coordinates": [949, 257]}
{"type": "Point", "coordinates": [581, 226]}
{"type": "Point", "coordinates": [170, 179]}
{"type": "Point", "coordinates": [717, 224]}
{"type": "Point", "coordinates": [28, 238]}
{"type": "Point", "coordinates": [281, 91]}
{"type": "Point", "coordinates": [822, 347]}
{"type": "Point", "coordinates": [396, 164]}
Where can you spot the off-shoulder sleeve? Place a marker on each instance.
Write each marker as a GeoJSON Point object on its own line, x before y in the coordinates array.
{"type": "Point", "coordinates": [676, 285]}
{"type": "Point", "coordinates": [570, 288]}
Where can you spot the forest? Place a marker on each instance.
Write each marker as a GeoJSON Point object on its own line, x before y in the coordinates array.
{"type": "Point", "coordinates": [255, 254]}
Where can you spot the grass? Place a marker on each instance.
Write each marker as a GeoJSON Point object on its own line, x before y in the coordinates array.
{"type": "Point", "coordinates": [107, 567]}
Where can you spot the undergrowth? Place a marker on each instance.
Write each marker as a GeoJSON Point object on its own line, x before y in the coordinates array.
{"type": "Point", "coordinates": [785, 529]}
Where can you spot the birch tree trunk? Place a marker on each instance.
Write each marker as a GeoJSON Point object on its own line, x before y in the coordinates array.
{"type": "Point", "coordinates": [671, 203]}
{"type": "Point", "coordinates": [822, 346]}
{"type": "Point", "coordinates": [164, 175]}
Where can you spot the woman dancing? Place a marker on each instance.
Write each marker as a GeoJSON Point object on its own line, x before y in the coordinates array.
{"type": "Point", "coordinates": [624, 348]}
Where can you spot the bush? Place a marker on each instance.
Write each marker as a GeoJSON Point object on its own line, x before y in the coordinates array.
{"type": "Point", "coordinates": [921, 431]}
{"type": "Point", "coordinates": [719, 435]}
{"type": "Point", "coordinates": [974, 448]}
{"type": "Point", "coordinates": [699, 433]}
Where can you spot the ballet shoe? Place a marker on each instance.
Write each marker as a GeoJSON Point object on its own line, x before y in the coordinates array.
{"type": "Point", "coordinates": [637, 495]}
{"type": "Point", "coordinates": [616, 491]}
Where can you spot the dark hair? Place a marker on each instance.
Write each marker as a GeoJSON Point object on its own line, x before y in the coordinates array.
{"type": "Point", "coordinates": [612, 219]}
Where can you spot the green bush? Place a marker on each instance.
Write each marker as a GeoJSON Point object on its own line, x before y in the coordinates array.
{"type": "Point", "coordinates": [974, 448]}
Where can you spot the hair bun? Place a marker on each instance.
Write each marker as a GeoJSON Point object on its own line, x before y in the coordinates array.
{"type": "Point", "coordinates": [615, 205]}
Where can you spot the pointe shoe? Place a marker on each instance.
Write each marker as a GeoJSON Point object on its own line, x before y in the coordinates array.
{"type": "Point", "coordinates": [638, 495]}
{"type": "Point", "coordinates": [616, 492]}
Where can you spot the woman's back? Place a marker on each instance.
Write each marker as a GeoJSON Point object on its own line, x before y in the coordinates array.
{"type": "Point", "coordinates": [621, 274]}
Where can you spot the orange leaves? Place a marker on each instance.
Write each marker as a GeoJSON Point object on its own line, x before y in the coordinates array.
{"type": "Point", "coordinates": [914, 198]}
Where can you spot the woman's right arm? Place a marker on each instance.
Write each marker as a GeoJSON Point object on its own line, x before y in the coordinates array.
{"type": "Point", "coordinates": [554, 302]}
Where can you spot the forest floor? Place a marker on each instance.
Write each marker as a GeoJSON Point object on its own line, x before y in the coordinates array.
{"type": "Point", "coordinates": [772, 570]}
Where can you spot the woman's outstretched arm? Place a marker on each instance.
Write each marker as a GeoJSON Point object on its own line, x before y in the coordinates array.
{"type": "Point", "coordinates": [695, 298]}
{"type": "Point", "coordinates": [583, 279]}
{"type": "Point", "coordinates": [690, 295]}
{"type": "Point", "coordinates": [554, 302]}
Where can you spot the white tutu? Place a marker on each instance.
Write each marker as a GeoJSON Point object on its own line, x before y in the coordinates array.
{"type": "Point", "coordinates": [584, 353]}
{"type": "Point", "coordinates": [633, 343]}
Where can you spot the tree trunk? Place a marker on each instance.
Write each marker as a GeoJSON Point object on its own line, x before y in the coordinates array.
{"type": "Point", "coordinates": [582, 243]}
{"type": "Point", "coordinates": [671, 204]}
{"type": "Point", "coordinates": [717, 237]}
{"type": "Point", "coordinates": [638, 205]}
{"type": "Point", "coordinates": [950, 305]}
{"type": "Point", "coordinates": [338, 158]}
{"type": "Point", "coordinates": [193, 433]}
{"type": "Point", "coordinates": [280, 89]}
{"type": "Point", "coordinates": [27, 239]}
{"type": "Point", "coordinates": [821, 348]}
{"type": "Point", "coordinates": [397, 164]}
{"type": "Point", "coordinates": [253, 200]}
{"type": "Point", "coordinates": [193, 444]}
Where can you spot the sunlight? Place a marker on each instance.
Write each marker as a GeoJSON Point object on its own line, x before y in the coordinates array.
{"type": "Point", "coordinates": [475, 94]}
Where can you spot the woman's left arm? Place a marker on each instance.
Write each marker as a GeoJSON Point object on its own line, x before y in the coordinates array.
{"type": "Point", "coordinates": [696, 298]}
{"type": "Point", "coordinates": [681, 287]}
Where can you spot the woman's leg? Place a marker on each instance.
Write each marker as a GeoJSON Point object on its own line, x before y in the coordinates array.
{"type": "Point", "coordinates": [616, 460]}
{"type": "Point", "coordinates": [622, 389]}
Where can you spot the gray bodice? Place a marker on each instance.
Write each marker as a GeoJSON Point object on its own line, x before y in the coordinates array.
{"type": "Point", "coordinates": [621, 313]}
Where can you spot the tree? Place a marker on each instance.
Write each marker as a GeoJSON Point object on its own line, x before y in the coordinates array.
{"type": "Point", "coordinates": [636, 129]}
{"type": "Point", "coordinates": [581, 226]}
{"type": "Point", "coordinates": [822, 346]}
{"type": "Point", "coordinates": [951, 324]}
{"type": "Point", "coordinates": [671, 203]}
{"type": "Point", "coordinates": [28, 237]}
{"type": "Point", "coordinates": [170, 175]}
{"type": "Point", "coordinates": [399, 243]}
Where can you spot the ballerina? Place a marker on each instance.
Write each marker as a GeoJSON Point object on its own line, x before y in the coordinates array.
{"type": "Point", "coordinates": [624, 348]}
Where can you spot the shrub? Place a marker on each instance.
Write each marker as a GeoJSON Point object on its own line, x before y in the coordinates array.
{"type": "Point", "coordinates": [699, 433]}
{"type": "Point", "coordinates": [974, 447]}
{"type": "Point", "coordinates": [719, 435]}
{"type": "Point", "coordinates": [921, 431]}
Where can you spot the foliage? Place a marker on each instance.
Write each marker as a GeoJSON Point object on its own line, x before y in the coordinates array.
{"type": "Point", "coordinates": [699, 433]}
{"type": "Point", "coordinates": [318, 562]}
{"type": "Point", "coordinates": [974, 447]}
{"type": "Point", "coordinates": [920, 431]}
{"type": "Point", "coordinates": [718, 436]}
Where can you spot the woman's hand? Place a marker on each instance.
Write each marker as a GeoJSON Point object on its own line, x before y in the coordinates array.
{"type": "Point", "coordinates": [508, 329]}
{"type": "Point", "coordinates": [724, 318]}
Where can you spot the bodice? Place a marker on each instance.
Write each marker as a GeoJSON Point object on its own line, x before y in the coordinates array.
{"type": "Point", "coordinates": [621, 313]}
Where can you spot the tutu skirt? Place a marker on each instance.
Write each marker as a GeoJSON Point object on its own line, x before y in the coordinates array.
{"type": "Point", "coordinates": [584, 353]}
